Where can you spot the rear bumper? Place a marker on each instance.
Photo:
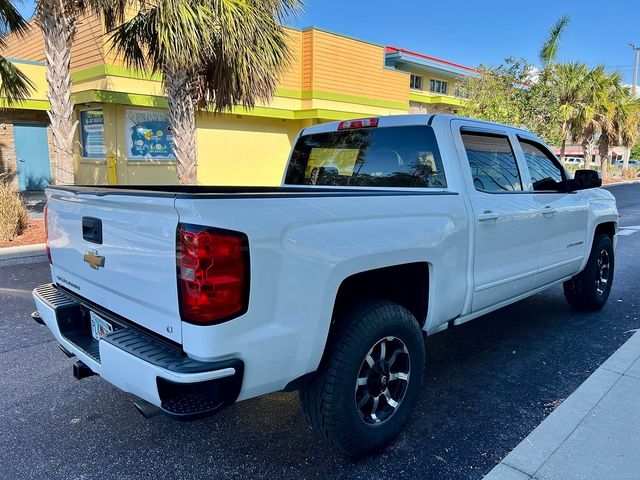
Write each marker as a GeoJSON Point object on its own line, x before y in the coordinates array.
{"type": "Point", "coordinates": [138, 363]}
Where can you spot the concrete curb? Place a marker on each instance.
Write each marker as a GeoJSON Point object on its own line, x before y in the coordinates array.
{"type": "Point", "coordinates": [23, 251]}
{"type": "Point", "coordinates": [527, 460]}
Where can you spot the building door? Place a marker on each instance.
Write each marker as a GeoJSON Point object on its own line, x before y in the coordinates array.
{"type": "Point", "coordinates": [32, 156]}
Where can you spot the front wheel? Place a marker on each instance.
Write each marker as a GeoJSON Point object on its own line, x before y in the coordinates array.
{"type": "Point", "coordinates": [369, 380]}
{"type": "Point", "coordinates": [589, 290]}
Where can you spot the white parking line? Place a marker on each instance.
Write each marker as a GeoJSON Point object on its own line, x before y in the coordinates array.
{"type": "Point", "coordinates": [629, 230]}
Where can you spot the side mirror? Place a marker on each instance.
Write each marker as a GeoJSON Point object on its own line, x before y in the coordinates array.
{"type": "Point", "coordinates": [584, 179]}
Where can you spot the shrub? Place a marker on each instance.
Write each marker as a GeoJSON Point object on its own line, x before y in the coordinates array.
{"type": "Point", "coordinates": [614, 171]}
{"type": "Point", "coordinates": [630, 173]}
{"type": "Point", "coordinates": [14, 217]}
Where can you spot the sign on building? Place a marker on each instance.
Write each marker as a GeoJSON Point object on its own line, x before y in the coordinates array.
{"type": "Point", "coordinates": [149, 135]}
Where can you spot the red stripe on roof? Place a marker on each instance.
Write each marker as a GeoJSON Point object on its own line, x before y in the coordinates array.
{"type": "Point", "coordinates": [427, 57]}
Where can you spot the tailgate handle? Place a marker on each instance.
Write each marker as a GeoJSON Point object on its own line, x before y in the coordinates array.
{"type": "Point", "coordinates": [92, 229]}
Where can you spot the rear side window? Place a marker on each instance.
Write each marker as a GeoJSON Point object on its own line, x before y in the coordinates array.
{"type": "Point", "coordinates": [493, 164]}
{"type": "Point", "coordinates": [368, 157]}
{"type": "Point", "coordinates": [546, 173]}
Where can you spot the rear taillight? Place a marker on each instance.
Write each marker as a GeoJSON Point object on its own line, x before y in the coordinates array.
{"type": "Point", "coordinates": [46, 233]}
{"type": "Point", "coordinates": [359, 123]}
{"type": "Point", "coordinates": [213, 274]}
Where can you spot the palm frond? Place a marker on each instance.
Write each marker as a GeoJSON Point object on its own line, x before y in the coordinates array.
{"type": "Point", "coordinates": [11, 21]}
{"type": "Point", "coordinates": [14, 84]}
{"type": "Point", "coordinates": [549, 50]}
{"type": "Point", "coordinates": [134, 41]}
{"type": "Point", "coordinates": [248, 53]}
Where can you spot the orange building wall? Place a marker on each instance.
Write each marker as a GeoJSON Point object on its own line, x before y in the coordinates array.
{"type": "Point", "coordinates": [291, 76]}
{"type": "Point", "coordinates": [87, 49]}
{"type": "Point", "coordinates": [321, 62]}
{"type": "Point", "coordinates": [29, 46]}
{"type": "Point", "coordinates": [351, 67]}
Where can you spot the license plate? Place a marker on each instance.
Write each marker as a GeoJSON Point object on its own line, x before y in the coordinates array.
{"type": "Point", "coordinates": [99, 326]}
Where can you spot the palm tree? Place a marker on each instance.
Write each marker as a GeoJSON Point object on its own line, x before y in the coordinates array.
{"type": "Point", "coordinates": [617, 113]}
{"type": "Point", "coordinates": [14, 85]}
{"type": "Point", "coordinates": [568, 82]}
{"type": "Point", "coordinates": [586, 124]}
{"type": "Point", "coordinates": [210, 53]}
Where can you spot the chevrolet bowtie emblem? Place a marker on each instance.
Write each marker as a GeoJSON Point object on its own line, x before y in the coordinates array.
{"type": "Point", "coordinates": [94, 260]}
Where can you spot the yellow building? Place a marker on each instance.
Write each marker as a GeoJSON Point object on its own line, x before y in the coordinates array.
{"type": "Point", "coordinates": [123, 130]}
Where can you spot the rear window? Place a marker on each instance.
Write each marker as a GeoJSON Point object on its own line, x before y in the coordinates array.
{"type": "Point", "coordinates": [368, 157]}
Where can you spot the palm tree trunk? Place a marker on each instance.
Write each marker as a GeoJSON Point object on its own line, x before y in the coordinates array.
{"type": "Point", "coordinates": [603, 151]}
{"type": "Point", "coordinates": [182, 110]}
{"type": "Point", "coordinates": [587, 151]}
{"type": "Point", "coordinates": [58, 29]}
{"type": "Point", "coordinates": [563, 147]}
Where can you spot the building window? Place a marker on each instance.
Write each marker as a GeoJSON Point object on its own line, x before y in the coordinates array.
{"type": "Point", "coordinates": [92, 134]}
{"type": "Point", "coordinates": [438, 86]}
{"type": "Point", "coordinates": [416, 82]}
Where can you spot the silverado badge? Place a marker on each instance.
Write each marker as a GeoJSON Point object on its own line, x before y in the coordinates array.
{"type": "Point", "coordinates": [94, 260]}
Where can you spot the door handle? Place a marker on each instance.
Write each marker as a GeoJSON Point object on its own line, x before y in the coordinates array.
{"type": "Point", "coordinates": [548, 210]}
{"type": "Point", "coordinates": [487, 215]}
{"type": "Point", "coordinates": [21, 160]}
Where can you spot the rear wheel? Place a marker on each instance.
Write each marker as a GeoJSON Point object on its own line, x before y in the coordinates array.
{"type": "Point", "coordinates": [589, 290]}
{"type": "Point", "coordinates": [369, 380]}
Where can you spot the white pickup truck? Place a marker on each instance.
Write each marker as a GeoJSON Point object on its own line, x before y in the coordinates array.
{"type": "Point", "coordinates": [384, 230]}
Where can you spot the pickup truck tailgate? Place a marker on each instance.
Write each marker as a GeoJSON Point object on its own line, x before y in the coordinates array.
{"type": "Point", "coordinates": [129, 265]}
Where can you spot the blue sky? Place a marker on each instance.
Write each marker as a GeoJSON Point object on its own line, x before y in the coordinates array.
{"type": "Point", "coordinates": [473, 32]}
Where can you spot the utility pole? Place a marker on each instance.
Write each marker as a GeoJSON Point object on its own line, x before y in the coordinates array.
{"type": "Point", "coordinates": [634, 87]}
{"type": "Point", "coordinates": [636, 51]}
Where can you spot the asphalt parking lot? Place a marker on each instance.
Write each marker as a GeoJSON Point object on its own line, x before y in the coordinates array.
{"type": "Point", "coordinates": [488, 384]}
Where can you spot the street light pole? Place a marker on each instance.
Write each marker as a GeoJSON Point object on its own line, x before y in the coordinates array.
{"type": "Point", "coordinates": [634, 86]}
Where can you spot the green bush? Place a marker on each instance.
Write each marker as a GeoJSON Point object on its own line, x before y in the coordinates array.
{"type": "Point", "coordinates": [14, 217]}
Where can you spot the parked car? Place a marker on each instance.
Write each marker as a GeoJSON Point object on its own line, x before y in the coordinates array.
{"type": "Point", "coordinates": [574, 161]}
{"type": "Point", "coordinates": [384, 230]}
{"type": "Point", "coordinates": [632, 163]}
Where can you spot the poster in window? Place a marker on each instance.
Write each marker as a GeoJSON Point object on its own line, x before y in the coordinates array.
{"type": "Point", "coordinates": [149, 135]}
{"type": "Point", "coordinates": [92, 134]}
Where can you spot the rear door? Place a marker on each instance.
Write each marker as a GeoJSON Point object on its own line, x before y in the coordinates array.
{"type": "Point", "coordinates": [119, 251]}
{"type": "Point", "coordinates": [564, 214]}
{"type": "Point", "coordinates": [505, 215]}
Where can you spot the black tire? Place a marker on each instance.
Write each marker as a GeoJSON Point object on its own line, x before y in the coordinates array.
{"type": "Point", "coordinates": [329, 402]}
{"type": "Point", "coordinates": [586, 291]}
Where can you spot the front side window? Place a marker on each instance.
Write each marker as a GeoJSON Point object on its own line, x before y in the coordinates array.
{"type": "Point", "coordinates": [546, 173]}
{"type": "Point", "coordinates": [493, 164]}
{"type": "Point", "coordinates": [368, 157]}
{"type": "Point", "coordinates": [438, 86]}
{"type": "Point", "coordinates": [416, 82]}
